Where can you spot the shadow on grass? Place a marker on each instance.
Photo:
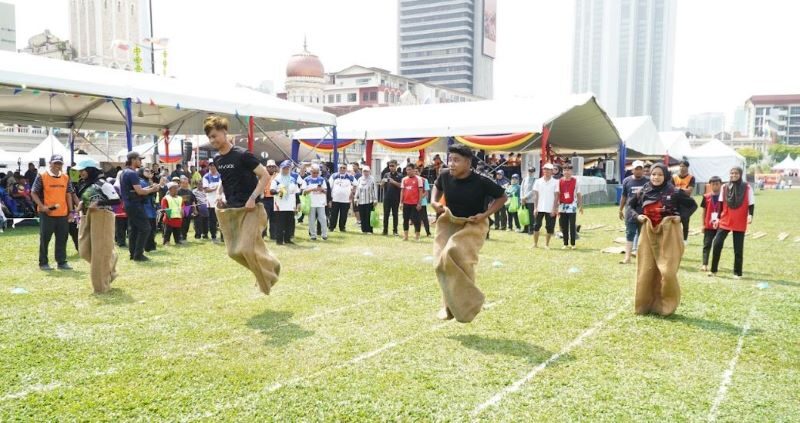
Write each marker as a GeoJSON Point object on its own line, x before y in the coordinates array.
{"type": "Point", "coordinates": [66, 274]}
{"type": "Point", "coordinates": [115, 296]}
{"type": "Point", "coordinates": [709, 325]}
{"type": "Point", "coordinates": [532, 353]}
{"type": "Point", "coordinates": [277, 328]}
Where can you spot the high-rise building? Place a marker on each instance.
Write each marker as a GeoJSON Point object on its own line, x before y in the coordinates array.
{"type": "Point", "coordinates": [105, 32]}
{"type": "Point", "coordinates": [774, 116]}
{"type": "Point", "coordinates": [706, 124]}
{"type": "Point", "coordinates": [624, 54]}
{"type": "Point", "coordinates": [450, 43]}
{"type": "Point", "coordinates": [739, 125]}
{"type": "Point", "coordinates": [8, 27]}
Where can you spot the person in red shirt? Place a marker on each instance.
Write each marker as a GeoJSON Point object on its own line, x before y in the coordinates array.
{"type": "Point", "coordinates": [570, 203]}
{"type": "Point", "coordinates": [412, 192]}
{"type": "Point", "coordinates": [737, 204]}
{"type": "Point", "coordinates": [710, 203]}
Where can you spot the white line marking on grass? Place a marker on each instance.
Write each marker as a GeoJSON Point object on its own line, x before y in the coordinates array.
{"type": "Point", "coordinates": [31, 390]}
{"type": "Point", "coordinates": [516, 386]}
{"type": "Point", "coordinates": [727, 377]}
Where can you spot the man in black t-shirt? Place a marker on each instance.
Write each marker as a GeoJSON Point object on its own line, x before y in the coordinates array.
{"type": "Point", "coordinates": [461, 231]}
{"type": "Point", "coordinates": [390, 180]}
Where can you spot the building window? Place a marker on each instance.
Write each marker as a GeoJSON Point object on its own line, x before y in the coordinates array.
{"type": "Point", "coordinates": [132, 11]}
{"type": "Point", "coordinates": [385, 97]}
{"type": "Point", "coordinates": [119, 6]}
{"type": "Point", "coordinates": [373, 96]}
{"type": "Point", "coordinates": [352, 98]}
{"type": "Point", "coordinates": [330, 98]}
{"type": "Point", "coordinates": [362, 81]}
{"type": "Point", "coordinates": [338, 98]}
{"type": "Point", "coordinates": [365, 97]}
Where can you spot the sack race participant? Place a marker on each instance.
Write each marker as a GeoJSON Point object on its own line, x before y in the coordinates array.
{"type": "Point", "coordinates": [659, 208]}
{"type": "Point", "coordinates": [737, 205]}
{"type": "Point", "coordinates": [96, 230]}
{"type": "Point", "coordinates": [461, 231]}
{"type": "Point", "coordinates": [243, 181]}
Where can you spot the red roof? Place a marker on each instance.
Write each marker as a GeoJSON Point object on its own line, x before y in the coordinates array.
{"type": "Point", "coordinates": [775, 99]}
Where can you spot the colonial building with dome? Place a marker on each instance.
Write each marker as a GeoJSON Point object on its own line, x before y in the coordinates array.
{"type": "Point", "coordinates": [305, 79]}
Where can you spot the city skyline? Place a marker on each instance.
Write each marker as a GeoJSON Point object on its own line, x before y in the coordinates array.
{"type": "Point", "coordinates": [717, 74]}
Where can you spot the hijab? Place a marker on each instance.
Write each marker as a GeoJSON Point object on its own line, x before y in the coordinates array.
{"type": "Point", "coordinates": [653, 193]}
{"type": "Point", "coordinates": [734, 196]}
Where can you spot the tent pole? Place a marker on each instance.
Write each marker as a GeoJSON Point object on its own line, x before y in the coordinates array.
{"type": "Point", "coordinates": [295, 151]}
{"type": "Point", "coordinates": [370, 146]}
{"type": "Point", "coordinates": [166, 142]}
{"type": "Point", "coordinates": [71, 143]}
{"type": "Point", "coordinates": [250, 134]}
{"type": "Point", "coordinates": [129, 124]}
{"type": "Point", "coordinates": [335, 149]}
{"type": "Point", "coordinates": [622, 159]}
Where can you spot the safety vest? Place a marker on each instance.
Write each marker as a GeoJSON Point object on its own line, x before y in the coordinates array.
{"type": "Point", "coordinates": [55, 193]}
{"type": "Point", "coordinates": [175, 209]}
{"type": "Point", "coordinates": [682, 182]}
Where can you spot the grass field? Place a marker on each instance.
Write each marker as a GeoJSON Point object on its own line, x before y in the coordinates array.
{"type": "Point", "coordinates": [349, 334]}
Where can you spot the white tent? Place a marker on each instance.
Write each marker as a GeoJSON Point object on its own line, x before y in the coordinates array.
{"type": "Point", "coordinates": [577, 123]}
{"type": "Point", "coordinates": [40, 91]}
{"type": "Point", "coordinates": [675, 143]}
{"type": "Point", "coordinates": [797, 162]}
{"type": "Point", "coordinates": [787, 164]}
{"type": "Point", "coordinates": [713, 159]}
{"type": "Point", "coordinates": [47, 148]}
{"type": "Point", "coordinates": [640, 136]}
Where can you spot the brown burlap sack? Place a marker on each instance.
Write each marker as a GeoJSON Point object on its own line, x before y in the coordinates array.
{"type": "Point", "coordinates": [96, 246]}
{"type": "Point", "coordinates": [659, 257]}
{"type": "Point", "coordinates": [242, 231]}
{"type": "Point", "coordinates": [455, 252]}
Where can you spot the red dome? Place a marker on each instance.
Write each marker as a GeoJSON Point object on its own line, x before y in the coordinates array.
{"type": "Point", "coordinates": [305, 65]}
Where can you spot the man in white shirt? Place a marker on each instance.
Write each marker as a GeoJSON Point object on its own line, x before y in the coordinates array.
{"type": "Point", "coordinates": [545, 194]}
{"type": "Point", "coordinates": [211, 182]}
{"type": "Point", "coordinates": [316, 189]}
{"type": "Point", "coordinates": [343, 186]}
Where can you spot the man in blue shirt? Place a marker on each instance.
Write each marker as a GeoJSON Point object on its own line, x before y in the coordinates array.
{"type": "Point", "coordinates": [134, 197]}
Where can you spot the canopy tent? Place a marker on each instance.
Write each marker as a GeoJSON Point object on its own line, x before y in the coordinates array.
{"type": "Point", "coordinates": [39, 91]}
{"type": "Point", "coordinates": [47, 148]}
{"type": "Point", "coordinates": [787, 164]}
{"type": "Point", "coordinates": [675, 143]}
{"type": "Point", "coordinates": [797, 162]}
{"type": "Point", "coordinates": [640, 136]}
{"type": "Point", "coordinates": [168, 151]}
{"type": "Point", "coordinates": [713, 159]}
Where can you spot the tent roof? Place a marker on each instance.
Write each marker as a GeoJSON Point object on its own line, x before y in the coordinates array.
{"type": "Point", "coordinates": [675, 143]}
{"type": "Point", "coordinates": [640, 135]}
{"type": "Point", "coordinates": [715, 148]}
{"type": "Point", "coordinates": [69, 90]}
{"type": "Point", "coordinates": [787, 164]}
{"type": "Point", "coordinates": [577, 122]}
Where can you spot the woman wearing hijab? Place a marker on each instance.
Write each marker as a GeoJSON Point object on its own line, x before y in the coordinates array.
{"type": "Point", "coordinates": [737, 204]}
{"type": "Point", "coordinates": [659, 208]}
{"type": "Point", "coordinates": [96, 231]}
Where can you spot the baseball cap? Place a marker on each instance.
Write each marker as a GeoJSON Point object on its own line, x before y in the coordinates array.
{"type": "Point", "coordinates": [515, 176]}
{"type": "Point", "coordinates": [638, 163]}
{"type": "Point", "coordinates": [500, 172]}
{"type": "Point", "coordinates": [172, 185]}
{"type": "Point", "coordinates": [286, 163]}
{"type": "Point", "coordinates": [133, 155]}
{"type": "Point", "coordinates": [271, 162]}
{"type": "Point", "coordinates": [366, 168]}
{"type": "Point", "coordinates": [87, 163]}
{"type": "Point", "coordinates": [57, 158]}
{"type": "Point", "coordinates": [549, 166]}
{"type": "Point", "coordinates": [531, 169]}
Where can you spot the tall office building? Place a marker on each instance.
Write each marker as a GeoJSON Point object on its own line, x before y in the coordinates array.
{"type": "Point", "coordinates": [8, 27]}
{"type": "Point", "coordinates": [706, 124]}
{"type": "Point", "coordinates": [450, 43]}
{"type": "Point", "coordinates": [99, 27]}
{"type": "Point", "coordinates": [624, 54]}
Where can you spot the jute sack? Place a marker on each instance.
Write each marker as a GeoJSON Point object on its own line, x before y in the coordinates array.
{"type": "Point", "coordinates": [455, 252]}
{"type": "Point", "coordinates": [659, 258]}
{"type": "Point", "coordinates": [96, 246]}
{"type": "Point", "coordinates": [242, 231]}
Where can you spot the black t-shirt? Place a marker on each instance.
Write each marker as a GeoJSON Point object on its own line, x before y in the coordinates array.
{"type": "Point", "coordinates": [392, 192]}
{"type": "Point", "coordinates": [238, 180]}
{"type": "Point", "coordinates": [465, 197]}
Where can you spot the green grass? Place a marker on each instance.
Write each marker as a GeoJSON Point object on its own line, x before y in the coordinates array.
{"type": "Point", "coordinates": [349, 334]}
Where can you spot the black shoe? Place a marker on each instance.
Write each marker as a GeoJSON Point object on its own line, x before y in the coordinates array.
{"type": "Point", "coordinates": [385, 233]}
{"type": "Point", "coordinates": [142, 258]}
{"type": "Point", "coordinates": [279, 242]}
{"type": "Point", "coordinates": [46, 268]}
{"type": "Point", "coordinates": [64, 266]}
{"type": "Point", "coordinates": [290, 242]}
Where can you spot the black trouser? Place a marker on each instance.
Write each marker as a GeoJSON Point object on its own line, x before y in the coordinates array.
{"type": "Point", "coordinates": [500, 219]}
{"type": "Point", "coordinates": [685, 224]}
{"type": "Point", "coordinates": [283, 226]}
{"type": "Point", "coordinates": [423, 217]}
{"type": "Point", "coordinates": [47, 227]}
{"type": "Point", "coordinates": [364, 211]}
{"type": "Point", "coordinates": [569, 227]}
{"type": "Point", "coordinates": [390, 206]}
{"type": "Point", "coordinates": [529, 228]}
{"type": "Point", "coordinates": [339, 212]}
{"type": "Point", "coordinates": [513, 218]}
{"type": "Point", "coordinates": [269, 206]}
{"type": "Point", "coordinates": [150, 245]}
{"type": "Point", "coordinates": [550, 222]}
{"type": "Point", "coordinates": [175, 232]}
{"type": "Point", "coordinates": [201, 227]}
{"type": "Point", "coordinates": [738, 251]}
{"type": "Point", "coordinates": [73, 233]}
{"type": "Point", "coordinates": [410, 212]}
{"type": "Point", "coordinates": [121, 226]}
{"type": "Point", "coordinates": [212, 222]}
{"type": "Point", "coordinates": [138, 232]}
{"type": "Point", "coordinates": [708, 242]}
{"type": "Point", "coordinates": [185, 226]}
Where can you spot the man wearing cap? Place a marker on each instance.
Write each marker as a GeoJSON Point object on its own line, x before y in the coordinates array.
{"type": "Point", "coordinates": [211, 182]}
{"type": "Point", "coordinates": [545, 202]}
{"type": "Point", "coordinates": [500, 216]}
{"type": "Point", "coordinates": [630, 187]}
{"type": "Point", "coordinates": [343, 188]}
{"type": "Point", "coordinates": [526, 195]}
{"type": "Point", "coordinates": [133, 197]}
{"type": "Point", "coordinates": [269, 200]}
{"type": "Point", "coordinates": [52, 193]}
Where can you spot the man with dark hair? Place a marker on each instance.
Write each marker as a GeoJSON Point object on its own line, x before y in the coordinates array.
{"type": "Point", "coordinates": [134, 197]}
{"type": "Point", "coordinates": [52, 193]}
{"type": "Point", "coordinates": [390, 180]}
{"type": "Point", "coordinates": [343, 188]}
{"type": "Point", "coordinates": [458, 195]}
{"type": "Point", "coordinates": [31, 173]}
{"type": "Point", "coordinates": [686, 183]}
